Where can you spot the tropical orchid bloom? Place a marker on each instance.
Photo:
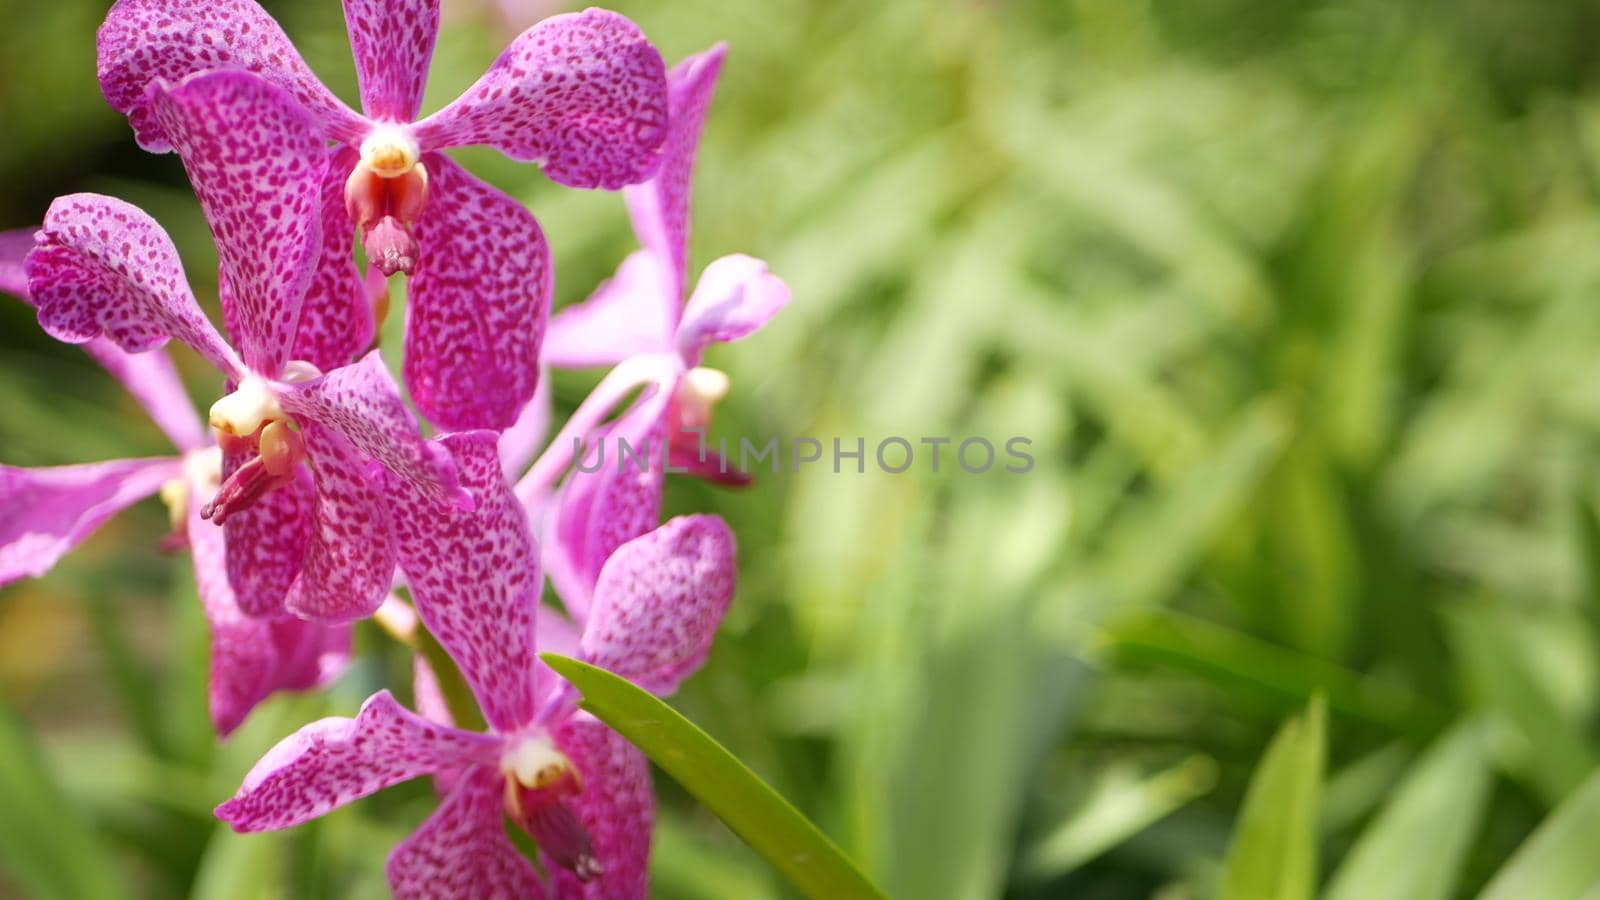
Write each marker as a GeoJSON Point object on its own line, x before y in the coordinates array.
{"type": "Point", "coordinates": [317, 544]}
{"type": "Point", "coordinates": [49, 511]}
{"type": "Point", "coordinates": [639, 319]}
{"type": "Point", "coordinates": [583, 93]}
{"type": "Point", "coordinates": [577, 788]}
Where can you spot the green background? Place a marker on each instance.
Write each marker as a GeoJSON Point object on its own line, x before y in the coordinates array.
{"type": "Point", "coordinates": [1299, 305]}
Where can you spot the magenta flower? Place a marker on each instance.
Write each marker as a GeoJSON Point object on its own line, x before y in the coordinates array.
{"type": "Point", "coordinates": [318, 544]}
{"type": "Point", "coordinates": [46, 512]}
{"type": "Point", "coordinates": [583, 93]}
{"type": "Point", "coordinates": [639, 318]}
{"type": "Point", "coordinates": [579, 790]}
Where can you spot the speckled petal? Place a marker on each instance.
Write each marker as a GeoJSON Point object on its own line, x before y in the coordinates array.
{"type": "Point", "coordinates": [362, 403]}
{"type": "Point", "coordinates": [474, 577]}
{"type": "Point", "coordinates": [251, 658]}
{"type": "Point", "coordinates": [103, 266]}
{"type": "Point", "coordinates": [659, 601]}
{"type": "Point", "coordinates": [267, 542]}
{"type": "Point", "coordinates": [392, 41]}
{"type": "Point", "coordinates": [461, 852]}
{"type": "Point", "coordinates": [143, 41]}
{"type": "Point", "coordinates": [634, 311]}
{"type": "Point", "coordinates": [735, 297]}
{"type": "Point", "coordinates": [600, 511]}
{"type": "Point", "coordinates": [478, 304]}
{"type": "Point", "coordinates": [617, 808]}
{"type": "Point", "coordinates": [660, 207]}
{"type": "Point", "coordinates": [257, 161]}
{"type": "Point", "coordinates": [336, 323]}
{"type": "Point", "coordinates": [44, 513]}
{"type": "Point", "coordinates": [14, 247]}
{"type": "Point", "coordinates": [351, 557]}
{"type": "Point", "coordinates": [336, 760]}
{"type": "Point", "coordinates": [583, 93]}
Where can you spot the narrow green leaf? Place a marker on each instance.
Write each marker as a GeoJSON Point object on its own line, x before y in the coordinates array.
{"type": "Point", "coordinates": [452, 685]}
{"type": "Point", "coordinates": [1274, 851]}
{"type": "Point", "coordinates": [45, 845]}
{"type": "Point", "coordinates": [1122, 805]}
{"type": "Point", "coordinates": [1558, 860]}
{"type": "Point", "coordinates": [755, 812]}
{"type": "Point", "coordinates": [1416, 847]}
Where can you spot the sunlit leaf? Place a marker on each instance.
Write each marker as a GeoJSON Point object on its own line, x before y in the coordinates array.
{"type": "Point", "coordinates": [1273, 855]}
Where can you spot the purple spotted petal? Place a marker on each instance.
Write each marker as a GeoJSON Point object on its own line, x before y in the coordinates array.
{"type": "Point", "coordinates": [584, 93]}
{"type": "Point", "coordinates": [103, 266]}
{"type": "Point", "coordinates": [351, 557]}
{"type": "Point", "coordinates": [659, 601]}
{"type": "Point", "coordinates": [478, 303]}
{"type": "Point", "coordinates": [392, 41]}
{"type": "Point", "coordinates": [257, 162]}
{"type": "Point", "coordinates": [635, 311]}
{"type": "Point", "coordinates": [462, 851]}
{"type": "Point", "coordinates": [600, 511]}
{"type": "Point", "coordinates": [362, 403]}
{"type": "Point", "coordinates": [251, 658]}
{"type": "Point", "coordinates": [660, 207]}
{"type": "Point", "coordinates": [44, 513]}
{"type": "Point", "coordinates": [735, 297]}
{"type": "Point", "coordinates": [617, 808]}
{"type": "Point", "coordinates": [336, 323]}
{"type": "Point", "coordinates": [336, 760]}
{"type": "Point", "coordinates": [267, 542]}
{"type": "Point", "coordinates": [143, 41]}
{"type": "Point", "coordinates": [14, 246]}
{"type": "Point", "coordinates": [474, 577]}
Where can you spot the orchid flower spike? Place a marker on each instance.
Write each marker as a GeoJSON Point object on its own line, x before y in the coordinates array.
{"type": "Point", "coordinates": [577, 788]}
{"type": "Point", "coordinates": [584, 94]}
{"type": "Point", "coordinates": [44, 513]}
{"type": "Point", "coordinates": [639, 320]}
{"type": "Point", "coordinates": [315, 543]}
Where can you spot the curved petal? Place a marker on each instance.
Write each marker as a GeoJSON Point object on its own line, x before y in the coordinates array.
{"type": "Point", "coordinates": [266, 543]}
{"type": "Point", "coordinates": [392, 41]}
{"type": "Point", "coordinates": [14, 246]}
{"type": "Point", "coordinates": [351, 557]}
{"type": "Point", "coordinates": [735, 297]}
{"type": "Point", "coordinates": [336, 760]}
{"type": "Point", "coordinates": [478, 303]}
{"type": "Point", "coordinates": [143, 41]}
{"type": "Point", "coordinates": [584, 93]}
{"type": "Point", "coordinates": [634, 311]}
{"type": "Point", "coordinates": [659, 208]}
{"type": "Point", "coordinates": [251, 658]}
{"type": "Point", "coordinates": [462, 851]}
{"type": "Point", "coordinates": [44, 513]}
{"type": "Point", "coordinates": [103, 266]}
{"type": "Point", "coordinates": [257, 163]}
{"type": "Point", "coordinates": [601, 510]}
{"type": "Point", "coordinates": [474, 578]}
{"type": "Point", "coordinates": [617, 807]}
{"type": "Point", "coordinates": [336, 322]}
{"type": "Point", "coordinates": [362, 403]}
{"type": "Point", "coordinates": [659, 601]}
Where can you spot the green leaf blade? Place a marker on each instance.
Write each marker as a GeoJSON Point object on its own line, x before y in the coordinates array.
{"type": "Point", "coordinates": [1274, 851]}
{"type": "Point", "coordinates": [750, 807]}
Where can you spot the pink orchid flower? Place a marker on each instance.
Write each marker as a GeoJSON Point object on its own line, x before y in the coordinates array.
{"type": "Point", "coordinates": [47, 512]}
{"type": "Point", "coordinates": [317, 544]}
{"type": "Point", "coordinates": [583, 93]}
{"type": "Point", "coordinates": [639, 320]}
{"type": "Point", "coordinates": [578, 789]}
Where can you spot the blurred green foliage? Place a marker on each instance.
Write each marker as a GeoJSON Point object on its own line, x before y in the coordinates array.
{"type": "Point", "coordinates": [1298, 304]}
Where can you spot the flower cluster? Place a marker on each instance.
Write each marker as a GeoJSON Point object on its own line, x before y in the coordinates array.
{"type": "Point", "coordinates": [313, 495]}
